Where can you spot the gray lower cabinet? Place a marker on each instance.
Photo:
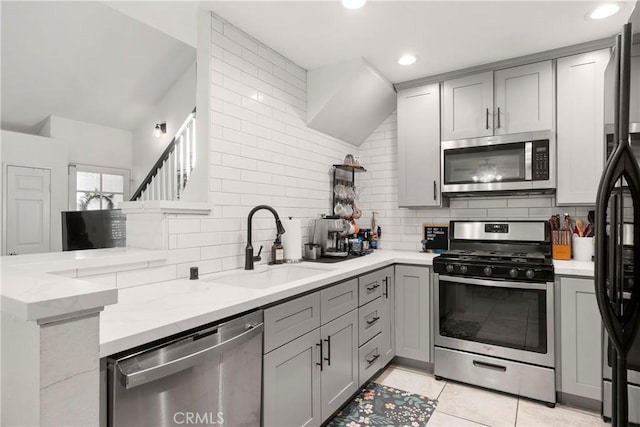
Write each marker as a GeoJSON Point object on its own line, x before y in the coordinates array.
{"type": "Point", "coordinates": [339, 376]}
{"type": "Point", "coordinates": [412, 312]}
{"type": "Point", "coordinates": [388, 336]}
{"type": "Point", "coordinates": [291, 383]}
{"type": "Point", "coordinates": [309, 377]}
{"type": "Point", "coordinates": [580, 339]}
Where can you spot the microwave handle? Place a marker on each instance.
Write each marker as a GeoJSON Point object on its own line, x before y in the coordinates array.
{"type": "Point", "coordinates": [528, 160]}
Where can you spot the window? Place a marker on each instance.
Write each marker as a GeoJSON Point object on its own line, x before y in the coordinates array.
{"type": "Point", "coordinates": [94, 188]}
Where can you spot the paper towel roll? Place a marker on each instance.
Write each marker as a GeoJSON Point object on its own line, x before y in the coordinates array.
{"type": "Point", "coordinates": [292, 239]}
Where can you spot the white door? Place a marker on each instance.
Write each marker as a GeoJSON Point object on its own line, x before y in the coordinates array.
{"type": "Point", "coordinates": [28, 210]}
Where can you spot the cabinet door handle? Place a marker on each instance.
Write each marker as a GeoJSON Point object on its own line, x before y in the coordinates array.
{"type": "Point", "coordinates": [386, 287]}
{"type": "Point", "coordinates": [321, 356]}
{"type": "Point", "coordinates": [435, 195]}
{"type": "Point", "coordinates": [372, 321]}
{"type": "Point", "coordinates": [373, 287]}
{"type": "Point", "coordinates": [328, 358]}
{"type": "Point", "coordinates": [373, 359]}
{"type": "Point", "coordinates": [498, 117]}
{"type": "Point", "coordinates": [487, 119]}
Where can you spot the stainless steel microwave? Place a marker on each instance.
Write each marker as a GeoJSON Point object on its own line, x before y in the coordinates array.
{"type": "Point", "coordinates": [523, 162]}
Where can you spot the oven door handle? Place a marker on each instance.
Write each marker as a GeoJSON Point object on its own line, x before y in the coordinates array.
{"type": "Point", "coordinates": [496, 283]}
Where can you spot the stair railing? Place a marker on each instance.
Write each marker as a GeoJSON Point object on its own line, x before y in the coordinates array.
{"type": "Point", "coordinates": [168, 177]}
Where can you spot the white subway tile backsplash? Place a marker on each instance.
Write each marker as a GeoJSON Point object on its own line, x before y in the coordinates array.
{"type": "Point", "coordinates": [126, 279]}
{"type": "Point", "coordinates": [108, 270]}
{"type": "Point", "coordinates": [204, 267]}
{"type": "Point", "coordinates": [240, 37]}
{"type": "Point", "coordinates": [184, 226]}
{"type": "Point", "coordinates": [271, 56]}
{"type": "Point", "coordinates": [299, 72]}
{"type": "Point", "coordinates": [216, 24]}
{"type": "Point", "coordinates": [226, 43]}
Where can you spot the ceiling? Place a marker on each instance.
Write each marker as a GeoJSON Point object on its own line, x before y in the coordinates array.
{"type": "Point", "coordinates": [83, 61]}
{"type": "Point", "coordinates": [445, 35]}
{"type": "Point", "coordinates": [97, 61]}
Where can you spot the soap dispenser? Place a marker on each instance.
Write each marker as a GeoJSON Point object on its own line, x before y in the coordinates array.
{"type": "Point", "coordinates": [277, 251]}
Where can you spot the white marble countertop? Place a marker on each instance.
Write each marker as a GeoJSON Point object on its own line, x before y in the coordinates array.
{"type": "Point", "coordinates": [32, 291]}
{"type": "Point", "coordinates": [150, 312]}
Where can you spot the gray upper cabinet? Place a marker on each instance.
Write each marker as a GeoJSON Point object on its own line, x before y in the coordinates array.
{"type": "Point", "coordinates": [468, 107]}
{"type": "Point", "coordinates": [413, 333]}
{"type": "Point", "coordinates": [523, 98]}
{"type": "Point", "coordinates": [580, 127]}
{"type": "Point", "coordinates": [580, 339]}
{"type": "Point", "coordinates": [512, 100]}
{"type": "Point", "coordinates": [419, 146]}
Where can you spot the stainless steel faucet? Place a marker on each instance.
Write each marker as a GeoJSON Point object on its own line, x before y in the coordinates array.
{"type": "Point", "coordinates": [248, 252]}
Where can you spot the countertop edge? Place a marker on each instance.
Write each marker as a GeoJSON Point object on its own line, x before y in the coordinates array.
{"type": "Point", "coordinates": [32, 291]}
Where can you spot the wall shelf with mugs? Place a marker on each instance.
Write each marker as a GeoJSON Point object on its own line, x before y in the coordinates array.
{"type": "Point", "coordinates": [345, 194]}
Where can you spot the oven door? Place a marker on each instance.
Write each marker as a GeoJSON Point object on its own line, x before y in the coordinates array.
{"type": "Point", "coordinates": [509, 320]}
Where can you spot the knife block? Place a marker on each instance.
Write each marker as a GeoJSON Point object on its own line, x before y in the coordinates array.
{"type": "Point", "coordinates": [561, 244]}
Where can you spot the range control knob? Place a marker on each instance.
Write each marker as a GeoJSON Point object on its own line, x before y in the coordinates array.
{"type": "Point", "coordinates": [530, 274]}
{"type": "Point", "coordinates": [488, 271]}
{"type": "Point", "coordinates": [449, 268]}
{"type": "Point", "coordinates": [513, 272]}
{"type": "Point", "coordinates": [464, 269]}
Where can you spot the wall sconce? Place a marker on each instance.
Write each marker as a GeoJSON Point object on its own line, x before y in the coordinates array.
{"type": "Point", "coordinates": [159, 130]}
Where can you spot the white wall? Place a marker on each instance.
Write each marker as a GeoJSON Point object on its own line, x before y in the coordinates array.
{"type": "Point", "coordinates": [172, 109]}
{"type": "Point", "coordinates": [402, 228]}
{"type": "Point", "coordinates": [92, 144]}
{"type": "Point", "coordinates": [19, 149]}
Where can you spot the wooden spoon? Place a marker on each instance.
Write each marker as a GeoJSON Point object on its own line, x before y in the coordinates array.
{"type": "Point", "coordinates": [579, 225]}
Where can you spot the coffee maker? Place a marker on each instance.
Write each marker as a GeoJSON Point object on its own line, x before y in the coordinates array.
{"type": "Point", "coordinates": [331, 234]}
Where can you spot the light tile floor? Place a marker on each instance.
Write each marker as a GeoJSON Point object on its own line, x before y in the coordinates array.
{"type": "Point", "coordinates": [464, 405]}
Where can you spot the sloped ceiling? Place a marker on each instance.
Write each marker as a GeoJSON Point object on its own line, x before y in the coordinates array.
{"type": "Point", "coordinates": [84, 61]}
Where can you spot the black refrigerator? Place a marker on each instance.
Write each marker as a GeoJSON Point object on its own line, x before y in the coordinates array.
{"type": "Point", "coordinates": [617, 224]}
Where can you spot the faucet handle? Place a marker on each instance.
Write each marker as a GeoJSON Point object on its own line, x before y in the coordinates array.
{"type": "Point", "coordinates": [257, 257]}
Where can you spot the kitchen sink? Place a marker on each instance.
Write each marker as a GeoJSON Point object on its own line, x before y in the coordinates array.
{"type": "Point", "coordinates": [264, 277]}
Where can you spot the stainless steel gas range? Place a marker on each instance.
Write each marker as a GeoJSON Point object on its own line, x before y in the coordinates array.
{"type": "Point", "coordinates": [494, 308]}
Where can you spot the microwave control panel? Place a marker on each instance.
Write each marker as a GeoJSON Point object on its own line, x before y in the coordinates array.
{"type": "Point", "coordinates": [540, 161]}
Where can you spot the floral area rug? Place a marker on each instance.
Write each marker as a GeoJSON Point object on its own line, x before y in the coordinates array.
{"type": "Point", "coordinates": [380, 405]}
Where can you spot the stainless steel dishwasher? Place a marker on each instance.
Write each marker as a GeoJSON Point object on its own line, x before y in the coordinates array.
{"type": "Point", "coordinates": [208, 377]}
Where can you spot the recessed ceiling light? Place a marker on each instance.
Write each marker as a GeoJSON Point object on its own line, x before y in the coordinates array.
{"type": "Point", "coordinates": [353, 4]}
{"type": "Point", "coordinates": [407, 60]}
{"type": "Point", "coordinates": [604, 11]}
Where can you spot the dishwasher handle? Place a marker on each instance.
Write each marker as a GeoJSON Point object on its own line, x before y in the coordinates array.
{"type": "Point", "coordinates": [146, 375]}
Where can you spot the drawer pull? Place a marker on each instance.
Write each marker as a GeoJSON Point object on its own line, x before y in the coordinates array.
{"type": "Point", "coordinates": [373, 287]}
{"type": "Point", "coordinates": [372, 321]}
{"type": "Point", "coordinates": [373, 359]}
{"type": "Point", "coordinates": [489, 366]}
{"type": "Point", "coordinates": [321, 357]}
{"type": "Point", "coordinates": [386, 288]}
{"type": "Point", "coordinates": [328, 358]}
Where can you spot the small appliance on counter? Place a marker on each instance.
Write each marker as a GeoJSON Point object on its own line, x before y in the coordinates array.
{"type": "Point", "coordinates": [331, 235]}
